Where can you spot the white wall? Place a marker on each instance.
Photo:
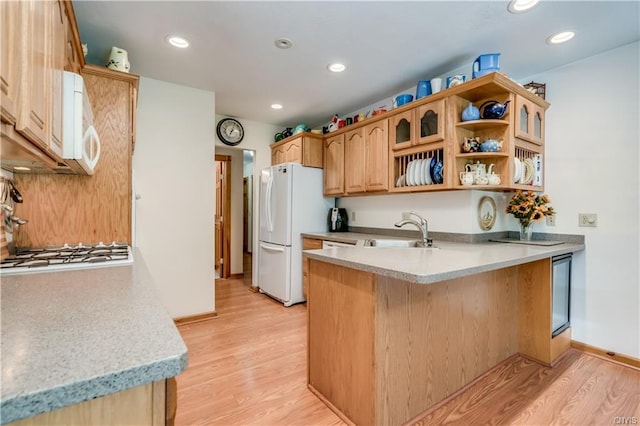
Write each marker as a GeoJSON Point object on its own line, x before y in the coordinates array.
{"type": "Point", "coordinates": [174, 167]}
{"type": "Point", "coordinates": [257, 137]}
{"type": "Point", "coordinates": [591, 167]}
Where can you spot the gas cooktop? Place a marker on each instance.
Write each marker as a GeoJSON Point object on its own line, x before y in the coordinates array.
{"type": "Point", "coordinates": [66, 257]}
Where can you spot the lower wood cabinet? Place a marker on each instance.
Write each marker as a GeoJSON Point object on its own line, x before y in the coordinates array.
{"type": "Point", "coordinates": [382, 350]}
{"type": "Point", "coordinates": [153, 404]}
{"type": "Point", "coordinates": [308, 244]}
{"type": "Point", "coordinates": [305, 149]}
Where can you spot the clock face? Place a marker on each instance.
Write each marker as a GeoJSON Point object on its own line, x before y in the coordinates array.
{"type": "Point", "coordinates": [230, 131]}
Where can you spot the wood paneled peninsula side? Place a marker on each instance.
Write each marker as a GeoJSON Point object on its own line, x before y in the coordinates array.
{"type": "Point", "coordinates": [394, 331]}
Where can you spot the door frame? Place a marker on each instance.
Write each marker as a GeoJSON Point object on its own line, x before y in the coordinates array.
{"type": "Point", "coordinates": [226, 216]}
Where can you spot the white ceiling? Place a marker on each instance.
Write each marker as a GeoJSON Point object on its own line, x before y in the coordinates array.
{"type": "Point", "coordinates": [386, 46]}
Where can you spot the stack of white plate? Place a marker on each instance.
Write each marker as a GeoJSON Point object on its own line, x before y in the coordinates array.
{"type": "Point", "coordinates": [418, 173]}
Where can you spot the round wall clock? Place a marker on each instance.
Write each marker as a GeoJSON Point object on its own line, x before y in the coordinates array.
{"type": "Point", "coordinates": [230, 131]}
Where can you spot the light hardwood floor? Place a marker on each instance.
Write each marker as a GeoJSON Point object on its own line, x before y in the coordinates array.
{"type": "Point", "coordinates": [248, 367]}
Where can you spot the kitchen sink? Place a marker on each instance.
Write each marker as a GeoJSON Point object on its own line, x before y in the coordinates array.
{"type": "Point", "coordinates": [384, 243]}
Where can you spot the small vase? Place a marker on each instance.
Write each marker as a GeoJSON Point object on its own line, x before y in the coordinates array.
{"type": "Point", "coordinates": [525, 232]}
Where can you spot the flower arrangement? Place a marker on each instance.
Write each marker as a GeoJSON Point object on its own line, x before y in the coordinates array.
{"type": "Point", "coordinates": [529, 207]}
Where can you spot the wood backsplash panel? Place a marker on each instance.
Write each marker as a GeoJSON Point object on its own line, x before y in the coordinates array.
{"type": "Point", "coordinates": [88, 209]}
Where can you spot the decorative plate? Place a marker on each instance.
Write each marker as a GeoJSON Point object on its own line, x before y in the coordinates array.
{"type": "Point", "coordinates": [436, 170]}
{"type": "Point", "coordinates": [487, 213]}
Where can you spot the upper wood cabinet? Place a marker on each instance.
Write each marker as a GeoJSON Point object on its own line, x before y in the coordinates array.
{"type": "Point", "coordinates": [529, 121]}
{"type": "Point", "coordinates": [34, 54]}
{"type": "Point", "coordinates": [33, 115]}
{"type": "Point", "coordinates": [10, 58]}
{"type": "Point", "coordinates": [402, 130]}
{"type": "Point", "coordinates": [430, 122]}
{"type": "Point", "coordinates": [418, 146]}
{"type": "Point", "coordinates": [334, 165]}
{"type": "Point", "coordinates": [304, 148]}
{"type": "Point", "coordinates": [55, 68]}
{"type": "Point", "coordinates": [377, 156]}
{"type": "Point", "coordinates": [355, 154]}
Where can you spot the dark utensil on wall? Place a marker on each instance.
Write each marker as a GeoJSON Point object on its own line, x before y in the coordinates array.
{"type": "Point", "coordinates": [15, 194]}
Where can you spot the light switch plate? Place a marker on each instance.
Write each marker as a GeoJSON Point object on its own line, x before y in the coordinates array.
{"type": "Point", "coordinates": [588, 219]}
{"type": "Point", "coordinates": [551, 220]}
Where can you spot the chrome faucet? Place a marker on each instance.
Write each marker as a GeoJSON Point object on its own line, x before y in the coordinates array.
{"type": "Point", "coordinates": [421, 224]}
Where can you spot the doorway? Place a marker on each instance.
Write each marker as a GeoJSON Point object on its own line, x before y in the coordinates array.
{"type": "Point", "coordinates": [222, 217]}
{"type": "Point", "coordinates": [247, 214]}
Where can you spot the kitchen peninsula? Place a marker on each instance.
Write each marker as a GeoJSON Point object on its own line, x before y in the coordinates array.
{"type": "Point", "coordinates": [92, 346]}
{"type": "Point", "coordinates": [394, 331]}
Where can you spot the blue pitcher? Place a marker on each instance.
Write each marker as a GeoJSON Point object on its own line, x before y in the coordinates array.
{"type": "Point", "coordinates": [486, 64]}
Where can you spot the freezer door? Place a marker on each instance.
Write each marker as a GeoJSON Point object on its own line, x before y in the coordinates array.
{"type": "Point", "coordinates": [275, 204]}
{"type": "Point", "coordinates": [274, 276]}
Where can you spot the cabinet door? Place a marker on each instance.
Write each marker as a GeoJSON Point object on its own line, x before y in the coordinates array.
{"type": "Point", "coordinates": [10, 58]}
{"type": "Point", "coordinates": [430, 122]}
{"type": "Point", "coordinates": [354, 158]}
{"type": "Point", "coordinates": [334, 165]}
{"type": "Point", "coordinates": [402, 130]}
{"type": "Point", "coordinates": [377, 156]}
{"type": "Point", "coordinates": [56, 68]}
{"type": "Point", "coordinates": [529, 121]}
{"type": "Point", "coordinates": [277, 155]}
{"type": "Point", "coordinates": [293, 151]}
{"type": "Point", "coordinates": [32, 120]}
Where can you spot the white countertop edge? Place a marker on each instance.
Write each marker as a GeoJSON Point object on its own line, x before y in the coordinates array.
{"type": "Point", "coordinates": [541, 252]}
{"type": "Point", "coordinates": [28, 405]}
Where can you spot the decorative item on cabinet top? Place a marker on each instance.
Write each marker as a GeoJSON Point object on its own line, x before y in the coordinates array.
{"type": "Point", "coordinates": [538, 89]}
{"type": "Point", "coordinates": [118, 60]}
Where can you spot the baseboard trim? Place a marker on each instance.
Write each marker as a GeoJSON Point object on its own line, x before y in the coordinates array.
{"type": "Point", "coordinates": [254, 289]}
{"type": "Point", "coordinates": [236, 276]}
{"type": "Point", "coordinates": [331, 407]}
{"type": "Point", "coordinates": [195, 318]}
{"type": "Point", "coordinates": [625, 360]}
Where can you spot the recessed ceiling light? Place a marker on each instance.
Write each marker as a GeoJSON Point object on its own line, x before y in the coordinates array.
{"type": "Point", "coordinates": [336, 67]}
{"type": "Point", "coordinates": [561, 37]}
{"type": "Point", "coordinates": [21, 168]}
{"type": "Point", "coordinates": [276, 106]}
{"type": "Point", "coordinates": [283, 43]}
{"type": "Point", "coordinates": [177, 41]}
{"type": "Point", "coordinates": [519, 6]}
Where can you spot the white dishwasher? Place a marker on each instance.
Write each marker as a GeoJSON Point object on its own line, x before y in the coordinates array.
{"type": "Point", "coordinates": [329, 244]}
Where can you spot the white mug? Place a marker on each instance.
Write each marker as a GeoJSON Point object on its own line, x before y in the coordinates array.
{"type": "Point", "coordinates": [494, 179]}
{"type": "Point", "coordinates": [466, 178]}
{"type": "Point", "coordinates": [436, 85]}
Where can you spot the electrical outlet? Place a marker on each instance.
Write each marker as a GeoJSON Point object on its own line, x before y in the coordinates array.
{"type": "Point", "coordinates": [353, 216]}
{"type": "Point", "coordinates": [588, 219]}
{"type": "Point", "coordinates": [551, 220]}
{"type": "Point", "coordinates": [406, 215]}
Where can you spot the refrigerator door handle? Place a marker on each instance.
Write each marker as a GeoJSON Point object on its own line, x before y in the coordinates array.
{"type": "Point", "coordinates": [271, 248]}
{"type": "Point", "coordinates": [269, 201]}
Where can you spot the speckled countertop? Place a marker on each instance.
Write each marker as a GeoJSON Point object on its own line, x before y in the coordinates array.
{"type": "Point", "coordinates": [69, 337]}
{"type": "Point", "coordinates": [429, 265]}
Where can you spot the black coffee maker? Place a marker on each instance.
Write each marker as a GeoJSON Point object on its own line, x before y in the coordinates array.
{"type": "Point", "coordinates": [338, 220]}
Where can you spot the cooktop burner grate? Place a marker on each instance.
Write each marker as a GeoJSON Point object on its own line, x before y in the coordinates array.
{"type": "Point", "coordinates": [67, 257]}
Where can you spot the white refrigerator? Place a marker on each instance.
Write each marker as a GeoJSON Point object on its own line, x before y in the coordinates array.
{"type": "Point", "coordinates": [291, 203]}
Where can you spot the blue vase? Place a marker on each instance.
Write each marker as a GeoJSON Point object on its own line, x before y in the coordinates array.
{"type": "Point", "coordinates": [423, 89]}
{"type": "Point", "coordinates": [470, 113]}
